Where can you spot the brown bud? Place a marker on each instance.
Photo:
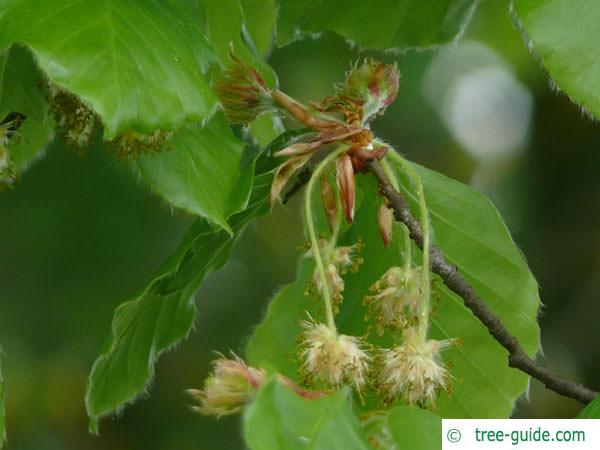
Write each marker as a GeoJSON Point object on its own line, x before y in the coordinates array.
{"type": "Point", "coordinates": [328, 199]}
{"type": "Point", "coordinates": [361, 157]}
{"type": "Point", "coordinates": [284, 173]}
{"type": "Point", "coordinates": [346, 183]}
{"type": "Point", "coordinates": [385, 221]}
{"type": "Point", "coordinates": [231, 385]}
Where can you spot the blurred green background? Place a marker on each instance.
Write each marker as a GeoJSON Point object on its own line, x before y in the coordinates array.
{"type": "Point", "coordinates": [78, 236]}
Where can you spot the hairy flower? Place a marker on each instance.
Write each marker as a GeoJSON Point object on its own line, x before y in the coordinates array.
{"type": "Point", "coordinates": [132, 143]}
{"type": "Point", "coordinates": [332, 358]}
{"type": "Point", "coordinates": [333, 281]}
{"type": "Point", "coordinates": [414, 371]}
{"type": "Point", "coordinates": [346, 257]}
{"type": "Point", "coordinates": [76, 118]}
{"type": "Point", "coordinates": [336, 261]}
{"type": "Point", "coordinates": [231, 385]}
{"type": "Point", "coordinates": [395, 301]}
{"type": "Point", "coordinates": [243, 93]}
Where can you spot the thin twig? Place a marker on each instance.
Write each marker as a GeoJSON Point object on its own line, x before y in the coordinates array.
{"type": "Point", "coordinates": [517, 358]}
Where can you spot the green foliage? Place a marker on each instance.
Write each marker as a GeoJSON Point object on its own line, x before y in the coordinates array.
{"type": "Point", "coordinates": [564, 35]}
{"type": "Point", "coordinates": [472, 235]}
{"type": "Point", "coordinates": [148, 65]}
{"type": "Point", "coordinates": [380, 24]}
{"type": "Point", "coordinates": [201, 171]}
{"type": "Point", "coordinates": [591, 411]}
{"type": "Point", "coordinates": [415, 429]}
{"type": "Point", "coordinates": [225, 27]}
{"type": "Point", "coordinates": [138, 64]}
{"type": "Point", "coordinates": [281, 419]}
{"type": "Point", "coordinates": [163, 313]}
{"type": "Point", "coordinates": [259, 18]}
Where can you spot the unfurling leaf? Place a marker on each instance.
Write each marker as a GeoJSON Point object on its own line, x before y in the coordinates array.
{"type": "Point", "coordinates": [284, 173]}
{"type": "Point", "coordinates": [163, 313]}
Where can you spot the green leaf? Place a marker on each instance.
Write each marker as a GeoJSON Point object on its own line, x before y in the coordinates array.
{"type": "Point", "coordinates": [265, 128]}
{"type": "Point", "coordinates": [163, 313]}
{"type": "Point", "coordinates": [201, 171]}
{"type": "Point", "coordinates": [280, 419]}
{"type": "Point", "coordinates": [139, 63]}
{"type": "Point", "coordinates": [19, 92]}
{"type": "Point", "coordinates": [225, 24]}
{"type": "Point", "coordinates": [378, 24]}
{"type": "Point", "coordinates": [260, 17]}
{"type": "Point", "coordinates": [415, 429]}
{"type": "Point", "coordinates": [2, 407]}
{"type": "Point", "coordinates": [245, 25]}
{"type": "Point", "coordinates": [473, 237]}
{"type": "Point", "coordinates": [591, 411]}
{"type": "Point", "coordinates": [564, 34]}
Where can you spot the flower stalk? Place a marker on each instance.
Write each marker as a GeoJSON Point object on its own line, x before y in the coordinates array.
{"type": "Point", "coordinates": [312, 234]}
{"type": "Point", "coordinates": [425, 308]}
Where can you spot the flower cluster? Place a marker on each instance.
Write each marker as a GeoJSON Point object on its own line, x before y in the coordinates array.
{"type": "Point", "coordinates": [394, 303]}
{"type": "Point", "coordinates": [413, 371]}
{"type": "Point", "coordinates": [76, 118]}
{"type": "Point", "coordinates": [368, 90]}
{"type": "Point", "coordinates": [336, 261]}
{"type": "Point", "coordinates": [132, 143]}
{"type": "Point", "coordinates": [332, 358]}
{"type": "Point", "coordinates": [231, 385]}
{"type": "Point", "coordinates": [339, 146]}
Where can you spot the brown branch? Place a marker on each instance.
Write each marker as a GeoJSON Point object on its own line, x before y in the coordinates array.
{"type": "Point", "coordinates": [517, 358]}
